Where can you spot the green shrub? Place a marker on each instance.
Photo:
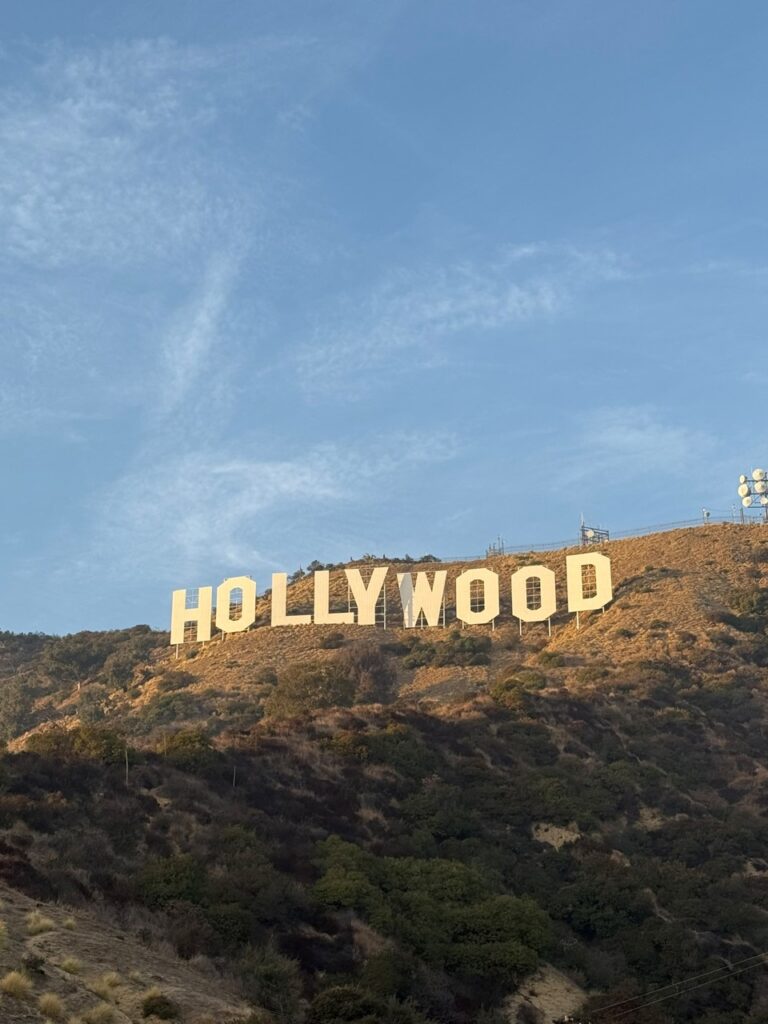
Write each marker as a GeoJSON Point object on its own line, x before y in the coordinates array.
{"type": "Point", "coordinates": [156, 1004]}
{"type": "Point", "coordinates": [174, 679]}
{"type": "Point", "coordinates": [346, 1003]}
{"type": "Point", "coordinates": [442, 910]}
{"type": "Point", "coordinates": [310, 686]}
{"type": "Point", "coordinates": [190, 749]}
{"type": "Point", "coordinates": [164, 880]}
{"type": "Point", "coordinates": [272, 981]}
{"type": "Point", "coordinates": [551, 659]}
{"type": "Point", "coordinates": [331, 641]}
{"type": "Point", "coordinates": [458, 649]}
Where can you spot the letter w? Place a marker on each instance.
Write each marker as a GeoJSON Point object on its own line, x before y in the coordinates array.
{"type": "Point", "coordinates": [421, 597]}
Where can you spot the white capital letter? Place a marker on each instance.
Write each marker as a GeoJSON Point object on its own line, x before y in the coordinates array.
{"type": "Point", "coordinates": [520, 606]}
{"type": "Point", "coordinates": [181, 615]}
{"type": "Point", "coordinates": [602, 586]}
{"type": "Point", "coordinates": [224, 600]}
{"type": "Point", "coordinates": [323, 614]}
{"type": "Point", "coordinates": [280, 616]}
{"type": "Point", "coordinates": [490, 582]}
{"type": "Point", "coordinates": [366, 597]}
{"type": "Point", "coordinates": [421, 597]}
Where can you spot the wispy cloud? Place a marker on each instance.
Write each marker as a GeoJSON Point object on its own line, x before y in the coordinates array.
{"type": "Point", "coordinates": [175, 513]}
{"type": "Point", "coordinates": [419, 312]}
{"type": "Point", "coordinates": [189, 347]}
{"type": "Point", "coordinates": [126, 212]}
{"type": "Point", "coordinates": [622, 443]}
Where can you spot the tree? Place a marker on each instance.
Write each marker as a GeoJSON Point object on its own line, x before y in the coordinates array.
{"type": "Point", "coordinates": [309, 686]}
{"type": "Point", "coordinates": [272, 981]}
{"type": "Point", "coordinates": [15, 705]}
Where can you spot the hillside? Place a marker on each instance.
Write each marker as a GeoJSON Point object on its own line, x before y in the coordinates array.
{"type": "Point", "coordinates": [346, 823]}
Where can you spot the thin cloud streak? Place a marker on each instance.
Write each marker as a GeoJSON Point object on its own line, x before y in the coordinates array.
{"type": "Point", "coordinates": [188, 350]}
{"type": "Point", "coordinates": [177, 513]}
{"type": "Point", "coordinates": [620, 443]}
{"type": "Point", "coordinates": [421, 313]}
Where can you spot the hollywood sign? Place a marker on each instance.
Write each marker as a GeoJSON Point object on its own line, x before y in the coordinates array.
{"type": "Point", "coordinates": [477, 598]}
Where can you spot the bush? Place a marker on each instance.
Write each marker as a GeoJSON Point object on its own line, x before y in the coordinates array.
{"type": "Point", "coordinates": [345, 1003]}
{"type": "Point", "coordinates": [272, 981]}
{"type": "Point", "coordinates": [165, 880]}
{"type": "Point", "coordinates": [190, 749]}
{"type": "Point", "coordinates": [441, 910]}
{"type": "Point", "coordinates": [102, 1013]}
{"type": "Point", "coordinates": [174, 679]}
{"type": "Point", "coordinates": [551, 659]}
{"type": "Point", "coordinates": [371, 671]}
{"type": "Point", "coordinates": [510, 690]}
{"type": "Point", "coordinates": [459, 649]}
{"type": "Point", "coordinates": [38, 923]}
{"type": "Point", "coordinates": [310, 686]}
{"type": "Point", "coordinates": [89, 742]}
{"type": "Point", "coordinates": [51, 1006]}
{"type": "Point", "coordinates": [71, 965]}
{"type": "Point", "coordinates": [331, 641]}
{"type": "Point", "coordinates": [16, 985]}
{"type": "Point", "coordinates": [265, 675]}
{"type": "Point", "coordinates": [33, 962]}
{"type": "Point", "coordinates": [156, 1003]}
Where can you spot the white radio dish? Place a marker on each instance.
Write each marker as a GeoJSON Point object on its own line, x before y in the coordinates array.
{"type": "Point", "coordinates": [764, 500]}
{"type": "Point", "coordinates": [746, 502]}
{"type": "Point", "coordinates": [743, 478]}
{"type": "Point", "coordinates": [744, 490]}
{"type": "Point", "coordinates": [590, 534]}
{"type": "Point", "coordinates": [758, 474]}
{"type": "Point", "coordinates": [761, 487]}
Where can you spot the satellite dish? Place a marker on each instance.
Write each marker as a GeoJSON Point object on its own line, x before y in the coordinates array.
{"type": "Point", "coordinates": [746, 502]}
{"type": "Point", "coordinates": [761, 487]}
{"type": "Point", "coordinates": [764, 500]}
{"type": "Point", "coordinates": [590, 534]}
{"type": "Point", "coordinates": [744, 490]}
{"type": "Point", "coordinates": [758, 474]}
{"type": "Point", "coordinates": [743, 478]}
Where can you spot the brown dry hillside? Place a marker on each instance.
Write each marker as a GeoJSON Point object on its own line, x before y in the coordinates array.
{"type": "Point", "coordinates": [77, 966]}
{"type": "Point", "coordinates": [406, 826]}
{"type": "Point", "coordinates": [668, 591]}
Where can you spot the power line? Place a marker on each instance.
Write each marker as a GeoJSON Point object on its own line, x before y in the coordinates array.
{"type": "Point", "coordinates": [683, 987]}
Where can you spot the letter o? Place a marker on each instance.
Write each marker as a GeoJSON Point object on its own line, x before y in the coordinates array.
{"type": "Point", "coordinates": [464, 582]}
{"type": "Point", "coordinates": [223, 597]}
{"type": "Point", "coordinates": [520, 606]}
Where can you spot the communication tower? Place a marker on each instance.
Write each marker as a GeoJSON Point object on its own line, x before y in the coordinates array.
{"type": "Point", "coordinates": [592, 534]}
{"type": "Point", "coordinates": [753, 491]}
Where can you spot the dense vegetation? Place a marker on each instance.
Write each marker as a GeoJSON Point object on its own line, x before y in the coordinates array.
{"type": "Point", "coordinates": [421, 828]}
{"type": "Point", "coordinates": [350, 857]}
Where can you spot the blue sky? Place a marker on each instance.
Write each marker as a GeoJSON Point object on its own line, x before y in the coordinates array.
{"type": "Point", "coordinates": [285, 281]}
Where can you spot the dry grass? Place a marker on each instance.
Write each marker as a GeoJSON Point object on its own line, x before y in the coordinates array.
{"type": "Point", "coordinates": [102, 1013]}
{"type": "Point", "coordinates": [155, 1001]}
{"type": "Point", "coordinates": [69, 923]}
{"type": "Point", "coordinates": [111, 979]}
{"type": "Point", "coordinates": [71, 965]}
{"type": "Point", "coordinates": [100, 988]}
{"type": "Point", "coordinates": [38, 923]}
{"type": "Point", "coordinates": [51, 1006]}
{"type": "Point", "coordinates": [3, 935]}
{"type": "Point", "coordinates": [16, 985]}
